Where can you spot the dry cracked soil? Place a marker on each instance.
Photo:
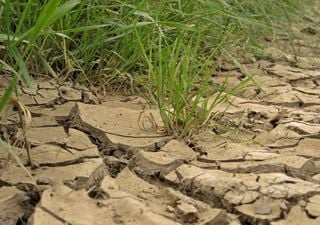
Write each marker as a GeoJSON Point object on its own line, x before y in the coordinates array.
{"type": "Point", "coordinates": [106, 161]}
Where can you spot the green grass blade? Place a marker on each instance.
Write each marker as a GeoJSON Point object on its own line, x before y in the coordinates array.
{"type": "Point", "coordinates": [42, 22]}
{"type": "Point", "coordinates": [62, 10]}
{"type": "Point", "coordinates": [22, 66]}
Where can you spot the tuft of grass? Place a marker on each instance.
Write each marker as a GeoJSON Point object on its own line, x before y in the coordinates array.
{"type": "Point", "coordinates": [181, 85]}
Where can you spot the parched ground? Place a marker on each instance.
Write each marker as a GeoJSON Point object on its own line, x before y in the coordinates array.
{"type": "Point", "coordinates": [105, 161]}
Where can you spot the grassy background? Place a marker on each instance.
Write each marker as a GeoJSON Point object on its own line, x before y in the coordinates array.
{"type": "Point", "coordinates": [162, 47]}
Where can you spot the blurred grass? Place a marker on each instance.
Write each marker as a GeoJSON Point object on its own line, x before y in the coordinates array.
{"type": "Point", "coordinates": [97, 38]}
{"type": "Point", "coordinates": [163, 47]}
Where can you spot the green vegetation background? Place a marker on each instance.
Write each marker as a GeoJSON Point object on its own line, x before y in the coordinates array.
{"type": "Point", "coordinates": [161, 48]}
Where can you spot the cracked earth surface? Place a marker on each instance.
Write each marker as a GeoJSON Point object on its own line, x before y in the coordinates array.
{"type": "Point", "coordinates": [98, 163]}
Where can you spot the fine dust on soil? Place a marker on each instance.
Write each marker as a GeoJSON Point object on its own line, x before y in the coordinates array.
{"type": "Point", "coordinates": [97, 163]}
